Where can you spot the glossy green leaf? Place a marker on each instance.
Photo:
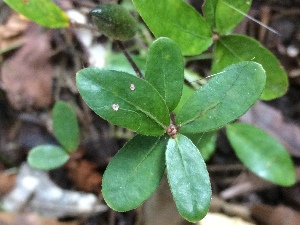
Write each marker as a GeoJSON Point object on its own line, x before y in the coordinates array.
{"type": "Point", "coordinates": [209, 10]}
{"type": "Point", "coordinates": [124, 100]}
{"type": "Point", "coordinates": [205, 142]}
{"type": "Point", "coordinates": [114, 21]}
{"type": "Point", "coordinates": [134, 172]}
{"type": "Point", "coordinates": [237, 48]}
{"type": "Point", "coordinates": [43, 12]}
{"type": "Point", "coordinates": [165, 70]}
{"type": "Point", "coordinates": [65, 125]}
{"type": "Point", "coordinates": [47, 157]}
{"type": "Point", "coordinates": [229, 13]}
{"type": "Point", "coordinates": [261, 153]}
{"type": "Point", "coordinates": [188, 178]}
{"type": "Point", "coordinates": [177, 20]}
{"type": "Point", "coordinates": [186, 94]}
{"type": "Point", "coordinates": [224, 98]}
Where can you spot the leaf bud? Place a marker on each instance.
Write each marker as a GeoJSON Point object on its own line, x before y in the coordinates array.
{"type": "Point", "coordinates": [114, 21]}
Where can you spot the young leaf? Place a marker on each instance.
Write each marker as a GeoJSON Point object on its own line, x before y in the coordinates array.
{"type": "Point", "coordinates": [47, 157]}
{"type": "Point", "coordinates": [180, 22]}
{"type": "Point", "coordinates": [114, 21]}
{"type": "Point", "coordinates": [205, 142]}
{"type": "Point", "coordinates": [124, 100]}
{"type": "Point", "coordinates": [227, 13]}
{"type": "Point", "coordinates": [188, 178]}
{"type": "Point", "coordinates": [165, 70]}
{"type": "Point", "coordinates": [261, 153]}
{"type": "Point", "coordinates": [237, 48]}
{"type": "Point", "coordinates": [43, 12]}
{"type": "Point", "coordinates": [65, 126]}
{"type": "Point", "coordinates": [224, 98]}
{"type": "Point", "coordinates": [134, 172]}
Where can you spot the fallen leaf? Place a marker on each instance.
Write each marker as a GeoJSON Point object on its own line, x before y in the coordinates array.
{"type": "Point", "coordinates": [7, 182]}
{"type": "Point", "coordinates": [83, 173]}
{"type": "Point", "coordinates": [27, 74]}
{"type": "Point", "coordinates": [11, 32]}
{"type": "Point", "coordinates": [269, 215]}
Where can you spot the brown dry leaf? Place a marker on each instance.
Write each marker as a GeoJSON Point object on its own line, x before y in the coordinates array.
{"type": "Point", "coordinates": [29, 219]}
{"type": "Point", "coordinates": [27, 74]}
{"type": "Point", "coordinates": [85, 176]}
{"type": "Point", "coordinates": [279, 215]}
{"type": "Point", "coordinates": [271, 120]}
{"type": "Point", "coordinates": [7, 182]}
{"type": "Point", "coordinates": [84, 173]}
{"type": "Point", "coordinates": [11, 32]}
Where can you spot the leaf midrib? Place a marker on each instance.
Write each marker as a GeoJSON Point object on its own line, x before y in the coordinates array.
{"type": "Point", "coordinates": [135, 169]}
{"type": "Point", "coordinates": [213, 105]}
{"type": "Point", "coordinates": [186, 175]}
{"type": "Point", "coordinates": [231, 51]}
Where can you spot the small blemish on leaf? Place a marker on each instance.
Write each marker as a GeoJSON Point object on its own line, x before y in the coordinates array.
{"type": "Point", "coordinates": [115, 107]}
{"type": "Point", "coordinates": [132, 87]}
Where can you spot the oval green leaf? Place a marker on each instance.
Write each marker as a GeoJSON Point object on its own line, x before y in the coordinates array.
{"type": "Point", "coordinates": [188, 178]}
{"type": "Point", "coordinates": [114, 21]}
{"type": "Point", "coordinates": [43, 12]}
{"type": "Point", "coordinates": [65, 126]}
{"type": "Point", "coordinates": [134, 172]}
{"type": "Point", "coordinates": [237, 48]}
{"type": "Point", "coordinates": [209, 11]}
{"type": "Point", "coordinates": [180, 22]}
{"type": "Point", "coordinates": [124, 100]}
{"type": "Point", "coordinates": [47, 157]}
{"type": "Point", "coordinates": [261, 153]}
{"type": "Point", "coordinates": [165, 70]}
{"type": "Point", "coordinates": [205, 142]}
{"type": "Point", "coordinates": [229, 13]}
{"type": "Point", "coordinates": [186, 94]}
{"type": "Point", "coordinates": [224, 98]}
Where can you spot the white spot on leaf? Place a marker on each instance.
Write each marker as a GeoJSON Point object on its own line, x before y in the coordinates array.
{"type": "Point", "coordinates": [132, 87]}
{"type": "Point", "coordinates": [115, 107]}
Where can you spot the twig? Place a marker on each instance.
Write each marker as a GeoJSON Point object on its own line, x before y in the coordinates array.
{"type": "Point", "coordinates": [172, 117]}
{"type": "Point", "coordinates": [130, 60]}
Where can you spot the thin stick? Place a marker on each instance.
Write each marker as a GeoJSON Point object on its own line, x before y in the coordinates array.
{"type": "Point", "coordinates": [130, 60]}
{"type": "Point", "coordinates": [172, 116]}
{"type": "Point", "coordinates": [255, 20]}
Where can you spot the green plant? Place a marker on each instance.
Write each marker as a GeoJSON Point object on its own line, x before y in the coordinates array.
{"type": "Point", "coordinates": [171, 119]}
{"type": "Point", "coordinates": [145, 106]}
{"type": "Point", "coordinates": [65, 128]}
{"type": "Point", "coordinates": [135, 172]}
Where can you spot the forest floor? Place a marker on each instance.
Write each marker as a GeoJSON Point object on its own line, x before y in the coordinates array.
{"type": "Point", "coordinates": [38, 67]}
